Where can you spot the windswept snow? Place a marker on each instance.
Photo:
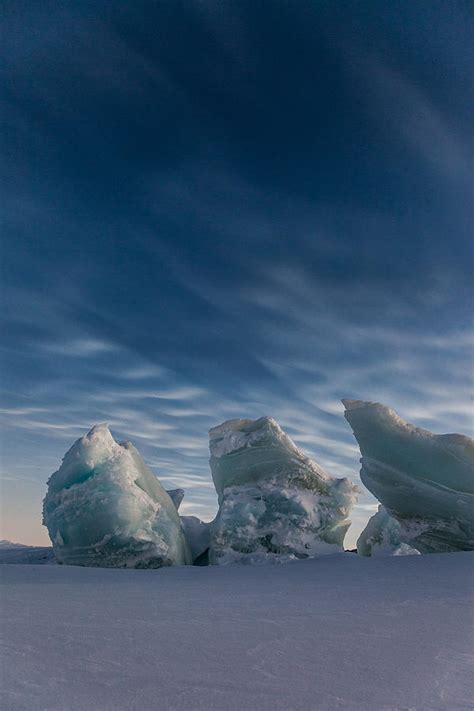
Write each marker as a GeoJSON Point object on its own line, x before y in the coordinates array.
{"type": "Point", "coordinates": [338, 632]}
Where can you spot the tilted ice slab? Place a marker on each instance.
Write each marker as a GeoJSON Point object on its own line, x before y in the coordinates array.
{"type": "Point", "coordinates": [273, 500]}
{"type": "Point", "coordinates": [104, 507]}
{"type": "Point", "coordinates": [425, 481]}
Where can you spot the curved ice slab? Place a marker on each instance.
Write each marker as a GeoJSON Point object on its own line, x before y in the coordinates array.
{"type": "Point", "coordinates": [273, 500]}
{"type": "Point", "coordinates": [105, 508]}
{"type": "Point", "coordinates": [425, 481]}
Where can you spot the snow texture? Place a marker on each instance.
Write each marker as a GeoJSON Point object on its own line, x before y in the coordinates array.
{"type": "Point", "coordinates": [274, 502]}
{"type": "Point", "coordinates": [334, 633]}
{"type": "Point", "coordinates": [105, 508]}
{"type": "Point", "coordinates": [424, 481]}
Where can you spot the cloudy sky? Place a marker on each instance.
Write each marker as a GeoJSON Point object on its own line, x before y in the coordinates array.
{"type": "Point", "coordinates": [230, 209]}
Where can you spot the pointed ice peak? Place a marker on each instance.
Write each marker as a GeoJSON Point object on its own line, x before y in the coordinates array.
{"type": "Point", "coordinates": [357, 404]}
{"type": "Point", "coordinates": [249, 450]}
{"type": "Point", "coordinates": [176, 496]}
{"type": "Point", "coordinates": [84, 455]}
{"type": "Point", "coordinates": [97, 430]}
{"type": "Point", "coordinates": [363, 415]}
{"type": "Point", "coordinates": [243, 425]}
{"type": "Point", "coordinates": [98, 435]}
{"type": "Point", "coordinates": [374, 409]}
{"type": "Point", "coordinates": [233, 435]}
{"type": "Point", "coordinates": [359, 413]}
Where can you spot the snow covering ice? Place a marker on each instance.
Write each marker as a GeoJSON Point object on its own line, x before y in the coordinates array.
{"type": "Point", "coordinates": [337, 632]}
{"type": "Point", "coordinates": [424, 481]}
{"type": "Point", "coordinates": [104, 507]}
{"type": "Point", "coordinates": [274, 502]}
{"type": "Point", "coordinates": [382, 536]}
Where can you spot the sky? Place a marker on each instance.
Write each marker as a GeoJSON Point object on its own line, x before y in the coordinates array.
{"type": "Point", "coordinates": [225, 209]}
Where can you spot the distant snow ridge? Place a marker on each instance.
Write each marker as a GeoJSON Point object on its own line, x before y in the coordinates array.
{"type": "Point", "coordinates": [424, 481]}
{"type": "Point", "coordinates": [274, 502]}
{"type": "Point", "coordinates": [105, 508]}
{"type": "Point", "coordinates": [17, 553]}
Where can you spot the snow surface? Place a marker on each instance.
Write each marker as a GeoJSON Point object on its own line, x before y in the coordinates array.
{"type": "Point", "coordinates": [273, 500]}
{"type": "Point", "coordinates": [338, 632]}
{"type": "Point", "coordinates": [425, 481]}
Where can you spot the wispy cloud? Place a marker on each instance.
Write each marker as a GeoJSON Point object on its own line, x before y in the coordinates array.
{"type": "Point", "coordinates": [81, 347]}
{"type": "Point", "coordinates": [402, 105]}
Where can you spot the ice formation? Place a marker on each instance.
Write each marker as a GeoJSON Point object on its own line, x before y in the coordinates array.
{"type": "Point", "coordinates": [382, 536]}
{"type": "Point", "coordinates": [424, 481]}
{"type": "Point", "coordinates": [176, 496]}
{"type": "Point", "coordinates": [273, 500]}
{"type": "Point", "coordinates": [198, 535]}
{"type": "Point", "coordinates": [104, 507]}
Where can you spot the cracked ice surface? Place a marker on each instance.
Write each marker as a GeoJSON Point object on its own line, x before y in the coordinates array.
{"type": "Point", "coordinates": [104, 507]}
{"type": "Point", "coordinates": [274, 502]}
{"type": "Point", "coordinates": [425, 481]}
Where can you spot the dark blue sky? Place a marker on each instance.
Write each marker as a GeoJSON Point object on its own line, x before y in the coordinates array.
{"type": "Point", "coordinates": [224, 209]}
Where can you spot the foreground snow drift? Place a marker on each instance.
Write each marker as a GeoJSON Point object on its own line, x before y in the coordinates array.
{"type": "Point", "coordinates": [424, 481]}
{"type": "Point", "coordinates": [273, 500]}
{"type": "Point", "coordinates": [338, 632]}
{"type": "Point", "coordinates": [104, 507]}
